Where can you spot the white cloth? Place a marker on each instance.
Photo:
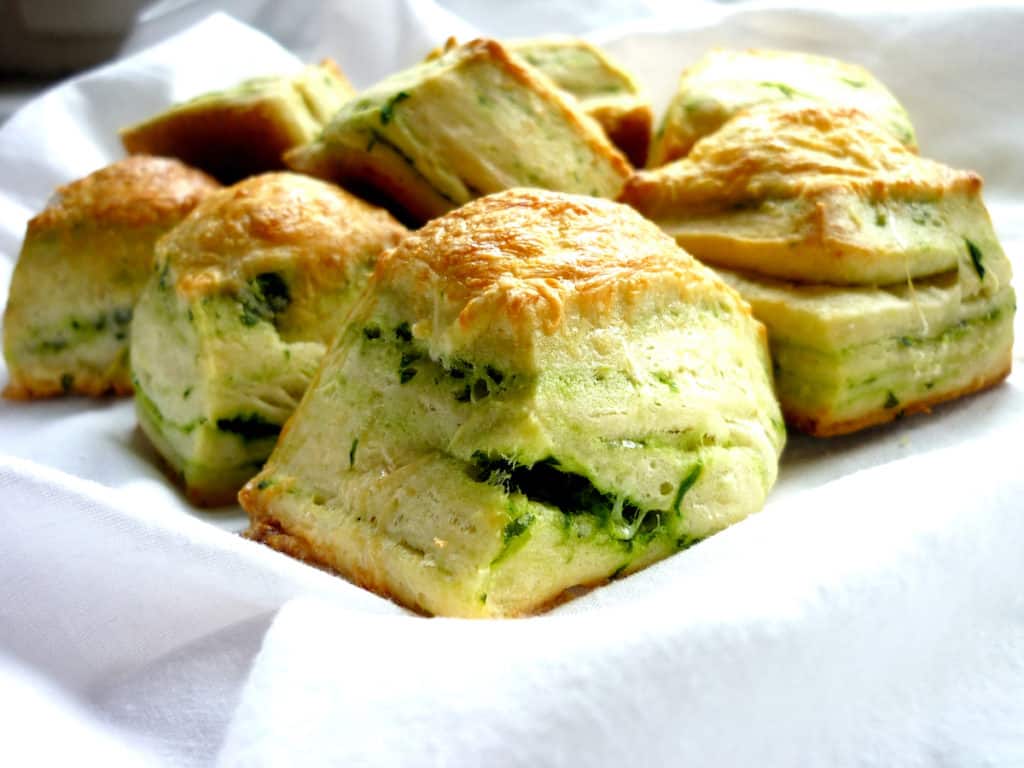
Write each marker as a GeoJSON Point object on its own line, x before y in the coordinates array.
{"type": "Point", "coordinates": [872, 614]}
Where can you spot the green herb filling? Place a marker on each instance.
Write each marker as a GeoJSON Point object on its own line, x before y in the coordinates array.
{"type": "Point", "coordinates": [249, 426]}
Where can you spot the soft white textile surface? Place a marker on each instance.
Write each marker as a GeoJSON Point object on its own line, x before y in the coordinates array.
{"type": "Point", "coordinates": [872, 614]}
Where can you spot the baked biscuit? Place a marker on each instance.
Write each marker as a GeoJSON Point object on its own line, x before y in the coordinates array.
{"type": "Point", "coordinates": [245, 130]}
{"type": "Point", "coordinates": [83, 263]}
{"type": "Point", "coordinates": [472, 121]}
{"type": "Point", "coordinates": [247, 293]}
{"type": "Point", "coordinates": [847, 358]}
{"type": "Point", "coordinates": [537, 392]}
{"type": "Point", "coordinates": [724, 82]}
{"type": "Point", "coordinates": [877, 272]}
{"type": "Point", "coordinates": [605, 91]}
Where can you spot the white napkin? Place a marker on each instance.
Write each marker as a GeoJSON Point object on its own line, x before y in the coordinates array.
{"type": "Point", "coordinates": [841, 629]}
{"type": "Point", "coordinates": [871, 614]}
{"type": "Point", "coordinates": [150, 621]}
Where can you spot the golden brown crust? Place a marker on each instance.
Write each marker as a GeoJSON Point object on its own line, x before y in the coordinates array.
{"type": "Point", "coordinates": [91, 251]}
{"type": "Point", "coordinates": [265, 530]}
{"type": "Point", "coordinates": [230, 236]}
{"type": "Point", "coordinates": [532, 250]}
{"type": "Point", "coordinates": [382, 161]}
{"type": "Point", "coordinates": [138, 191]}
{"type": "Point", "coordinates": [522, 252]}
{"type": "Point", "coordinates": [200, 497]}
{"type": "Point", "coordinates": [822, 426]}
{"type": "Point", "coordinates": [331, 66]}
{"type": "Point", "coordinates": [200, 138]}
{"type": "Point", "coordinates": [724, 82]}
{"type": "Point", "coordinates": [380, 175]}
{"type": "Point", "coordinates": [25, 387]}
{"type": "Point", "coordinates": [782, 151]}
{"type": "Point", "coordinates": [788, 190]}
{"type": "Point", "coordinates": [243, 131]}
{"type": "Point", "coordinates": [628, 128]}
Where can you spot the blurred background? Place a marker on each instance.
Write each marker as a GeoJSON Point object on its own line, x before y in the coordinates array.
{"type": "Point", "coordinates": [42, 41]}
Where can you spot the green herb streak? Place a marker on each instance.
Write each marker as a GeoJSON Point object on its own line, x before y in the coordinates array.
{"type": "Point", "coordinates": [495, 375]}
{"type": "Point", "coordinates": [544, 482]}
{"type": "Point", "coordinates": [249, 426]}
{"type": "Point", "coordinates": [517, 528]}
{"type": "Point", "coordinates": [458, 369]}
{"type": "Point", "coordinates": [53, 345]}
{"type": "Point", "coordinates": [514, 535]}
{"type": "Point", "coordinates": [164, 280]}
{"type": "Point", "coordinates": [377, 138]}
{"type": "Point", "coordinates": [265, 299]}
{"type": "Point", "coordinates": [976, 258]}
{"type": "Point", "coordinates": [387, 112]}
{"type": "Point", "coordinates": [686, 484]}
{"type": "Point", "coordinates": [685, 542]}
{"type": "Point", "coordinates": [666, 378]}
{"type": "Point", "coordinates": [786, 90]}
{"type": "Point", "coordinates": [618, 571]}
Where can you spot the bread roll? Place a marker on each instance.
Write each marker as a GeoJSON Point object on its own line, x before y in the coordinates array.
{"type": "Point", "coordinates": [82, 266]}
{"type": "Point", "coordinates": [725, 82]}
{"type": "Point", "coordinates": [878, 273]}
{"type": "Point", "coordinates": [242, 131]}
{"type": "Point", "coordinates": [606, 91]}
{"type": "Point", "coordinates": [538, 392]}
{"type": "Point", "coordinates": [248, 292]}
{"type": "Point", "coordinates": [472, 121]}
